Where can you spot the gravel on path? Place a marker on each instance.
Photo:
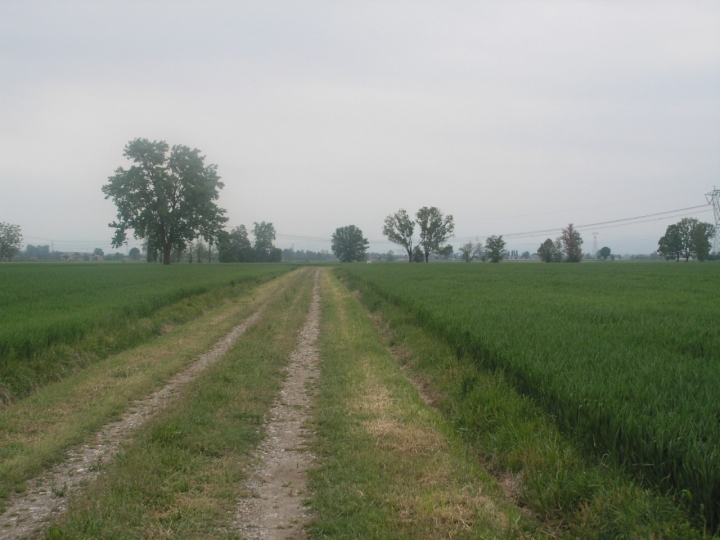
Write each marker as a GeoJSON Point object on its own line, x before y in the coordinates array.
{"type": "Point", "coordinates": [278, 484]}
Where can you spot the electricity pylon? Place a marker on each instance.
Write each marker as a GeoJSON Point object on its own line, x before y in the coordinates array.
{"type": "Point", "coordinates": [714, 198]}
{"type": "Point", "coordinates": [595, 244]}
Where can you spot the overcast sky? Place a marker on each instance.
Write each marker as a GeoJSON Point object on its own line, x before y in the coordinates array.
{"type": "Point", "coordinates": [512, 116]}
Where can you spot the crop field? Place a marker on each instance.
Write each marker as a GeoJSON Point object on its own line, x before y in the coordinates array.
{"type": "Point", "coordinates": [478, 401]}
{"type": "Point", "coordinates": [624, 357]}
{"type": "Point", "coordinates": [46, 305]}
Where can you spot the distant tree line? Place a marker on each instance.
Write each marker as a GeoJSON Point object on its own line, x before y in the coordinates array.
{"type": "Point", "coordinates": [235, 246]}
{"type": "Point", "coordinates": [39, 253]}
{"type": "Point", "coordinates": [307, 255]}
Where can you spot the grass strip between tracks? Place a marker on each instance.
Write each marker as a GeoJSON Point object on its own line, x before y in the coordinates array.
{"type": "Point", "coordinates": [36, 432]}
{"type": "Point", "coordinates": [574, 496]}
{"type": "Point", "coordinates": [181, 475]}
{"type": "Point", "coordinates": [389, 466]}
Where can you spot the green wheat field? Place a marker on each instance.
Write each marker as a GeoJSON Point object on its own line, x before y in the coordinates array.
{"type": "Point", "coordinates": [625, 357]}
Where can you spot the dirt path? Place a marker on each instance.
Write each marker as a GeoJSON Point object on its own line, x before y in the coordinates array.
{"type": "Point", "coordinates": [275, 508]}
{"type": "Point", "coordinates": [48, 495]}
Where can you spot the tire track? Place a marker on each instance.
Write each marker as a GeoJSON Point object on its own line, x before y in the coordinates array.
{"type": "Point", "coordinates": [275, 509]}
{"type": "Point", "coordinates": [48, 495]}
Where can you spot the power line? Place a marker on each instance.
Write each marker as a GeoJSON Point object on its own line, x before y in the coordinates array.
{"type": "Point", "coordinates": [647, 218]}
{"type": "Point", "coordinates": [594, 207]}
{"type": "Point", "coordinates": [619, 221]}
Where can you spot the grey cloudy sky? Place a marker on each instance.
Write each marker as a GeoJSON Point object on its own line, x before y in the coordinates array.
{"type": "Point", "coordinates": [512, 116]}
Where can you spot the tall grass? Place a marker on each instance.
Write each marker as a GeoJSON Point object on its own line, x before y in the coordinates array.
{"type": "Point", "coordinates": [625, 357]}
{"type": "Point", "coordinates": [45, 308]}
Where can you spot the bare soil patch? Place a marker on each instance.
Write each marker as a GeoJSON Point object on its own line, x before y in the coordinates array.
{"type": "Point", "coordinates": [277, 485]}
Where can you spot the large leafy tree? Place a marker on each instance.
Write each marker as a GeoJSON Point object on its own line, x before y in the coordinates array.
{"type": "Point", "coordinates": [687, 238]}
{"type": "Point", "coordinates": [10, 240]}
{"type": "Point", "coordinates": [399, 229]}
{"type": "Point", "coordinates": [167, 200]}
{"type": "Point", "coordinates": [695, 237]}
{"type": "Point", "coordinates": [348, 244]}
{"type": "Point", "coordinates": [495, 248]}
{"type": "Point", "coordinates": [435, 229]}
{"type": "Point", "coordinates": [572, 244]}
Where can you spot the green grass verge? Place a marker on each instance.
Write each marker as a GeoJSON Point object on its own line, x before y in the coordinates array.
{"type": "Point", "coordinates": [575, 495]}
{"type": "Point", "coordinates": [181, 475]}
{"type": "Point", "coordinates": [58, 318]}
{"type": "Point", "coordinates": [389, 466]}
{"type": "Point", "coordinates": [36, 432]}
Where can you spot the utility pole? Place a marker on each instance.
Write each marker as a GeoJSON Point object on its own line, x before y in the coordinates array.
{"type": "Point", "coordinates": [714, 198]}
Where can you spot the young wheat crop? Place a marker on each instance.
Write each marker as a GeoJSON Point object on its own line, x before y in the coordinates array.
{"type": "Point", "coordinates": [625, 357]}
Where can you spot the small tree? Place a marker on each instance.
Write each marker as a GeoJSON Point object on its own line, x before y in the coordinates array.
{"type": "Point", "coordinates": [550, 251]}
{"type": "Point", "coordinates": [495, 248]}
{"type": "Point", "coordinates": [275, 255]}
{"type": "Point", "coordinates": [670, 245]}
{"type": "Point", "coordinates": [470, 250]}
{"type": "Point", "coordinates": [435, 229]}
{"type": "Point", "coordinates": [700, 241]}
{"type": "Point", "coordinates": [10, 240]}
{"type": "Point", "coordinates": [99, 252]}
{"type": "Point", "coordinates": [604, 253]}
{"type": "Point", "coordinates": [446, 252]}
{"type": "Point", "coordinates": [134, 254]}
{"type": "Point", "coordinates": [399, 229]}
{"type": "Point", "coordinates": [417, 255]}
{"type": "Point", "coordinates": [348, 244]}
{"type": "Point", "coordinates": [264, 237]}
{"type": "Point", "coordinates": [525, 255]}
{"type": "Point", "coordinates": [200, 251]}
{"type": "Point", "coordinates": [390, 256]}
{"type": "Point", "coordinates": [572, 244]}
{"type": "Point", "coordinates": [235, 246]}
